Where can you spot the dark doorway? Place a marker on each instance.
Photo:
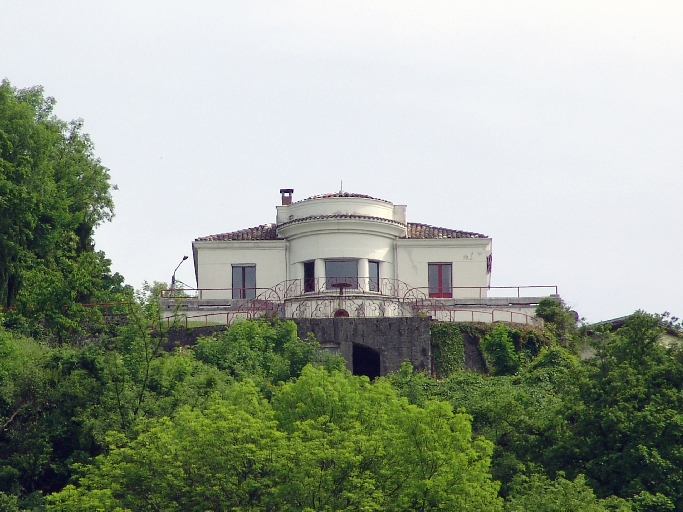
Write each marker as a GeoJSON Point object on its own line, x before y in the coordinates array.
{"type": "Point", "coordinates": [341, 313]}
{"type": "Point", "coordinates": [365, 361]}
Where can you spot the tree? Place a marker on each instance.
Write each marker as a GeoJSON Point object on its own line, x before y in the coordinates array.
{"type": "Point", "coordinates": [271, 351]}
{"type": "Point", "coordinates": [328, 441]}
{"type": "Point", "coordinates": [626, 420]}
{"type": "Point", "coordinates": [541, 494]}
{"type": "Point", "coordinates": [53, 194]}
{"type": "Point", "coordinates": [559, 320]}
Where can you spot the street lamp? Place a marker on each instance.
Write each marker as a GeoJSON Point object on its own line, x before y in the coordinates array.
{"type": "Point", "coordinates": [176, 269]}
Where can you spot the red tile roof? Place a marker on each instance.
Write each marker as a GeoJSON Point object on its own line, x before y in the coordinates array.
{"type": "Point", "coordinates": [341, 193]}
{"type": "Point", "coordinates": [268, 231]}
{"type": "Point", "coordinates": [262, 232]}
{"type": "Point", "coordinates": [416, 230]}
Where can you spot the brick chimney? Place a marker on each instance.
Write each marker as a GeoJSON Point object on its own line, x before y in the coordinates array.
{"type": "Point", "coordinates": [286, 195]}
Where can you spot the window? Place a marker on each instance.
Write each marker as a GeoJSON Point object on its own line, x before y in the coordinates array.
{"type": "Point", "coordinates": [340, 273]}
{"type": "Point", "coordinates": [309, 276]}
{"type": "Point", "coordinates": [440, 280]}
{"type": "Point", "coordinates": [374, 276]}
{"type": "Point", "coordinates": [243, 281]}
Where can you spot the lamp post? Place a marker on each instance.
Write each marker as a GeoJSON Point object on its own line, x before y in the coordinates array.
{"type": "Point", "coordinates": [176, 269]}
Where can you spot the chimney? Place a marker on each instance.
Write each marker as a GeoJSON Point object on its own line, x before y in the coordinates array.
{"type": "Point", "coordinates": [286, 195]}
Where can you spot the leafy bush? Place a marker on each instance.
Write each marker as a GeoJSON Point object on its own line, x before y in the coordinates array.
{"type": "Point", "coordinates": [499, 350]}
{"type": "Point", "coordinates": [540, 494]}
{"type": "Point", "coordinates": [271, 351]}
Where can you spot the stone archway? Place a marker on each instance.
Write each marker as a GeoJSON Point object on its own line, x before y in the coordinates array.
{"type": "Point", "coordinates": [366, 361]}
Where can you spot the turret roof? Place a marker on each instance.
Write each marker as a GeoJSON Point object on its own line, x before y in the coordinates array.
{"type": "Point", "coordinates": [341, 193]}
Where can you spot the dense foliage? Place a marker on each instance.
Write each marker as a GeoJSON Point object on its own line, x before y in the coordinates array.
{"type": "Point", "coordinates": [242, 421]}
{"type": "Point", "coordinates": [610, 424]}
{"type": "Point", "coordinates": [53, 194]}
{"type": "Point", "coordinates": [255, 418]}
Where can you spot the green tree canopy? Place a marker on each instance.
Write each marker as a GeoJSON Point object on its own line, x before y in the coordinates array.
{"type": "Point", "coordinates": [625, 417]}
{"type": "Point", "coordinates": [54, 192]}
{"type": "Point", "coordinates": [329, 441]}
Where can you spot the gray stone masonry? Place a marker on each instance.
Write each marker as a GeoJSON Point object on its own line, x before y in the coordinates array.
{"type": "Point", "coordinates": [395, 339]}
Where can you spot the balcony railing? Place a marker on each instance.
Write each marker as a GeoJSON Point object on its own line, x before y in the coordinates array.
{"type": "Point", "coordinates": [483, 292]}
{"type": "Point", "coordinates": [296, 288]}
{"type": "Point", "coordinates": [445, 314]}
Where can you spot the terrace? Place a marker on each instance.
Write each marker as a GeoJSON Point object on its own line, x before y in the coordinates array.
{"type": "Point", "coordinates": [356, 298]}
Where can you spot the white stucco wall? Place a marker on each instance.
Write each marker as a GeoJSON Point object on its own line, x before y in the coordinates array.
{"type": "Point", "coordinates": [341, 245]}
{"type": "Point", "coordinates": [341, 205]}
{"type": "Point", "coordinates": [341, 238]}
{"type": "Point", "coordinates": [467, 256]}
{"type": "Point", "coordinates": [333, 239]}
{"type": "Point", "coordinates": [214, 261]}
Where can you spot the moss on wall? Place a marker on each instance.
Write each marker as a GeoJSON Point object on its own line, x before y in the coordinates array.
{"type": "Point", "coordinates": [448, 341]}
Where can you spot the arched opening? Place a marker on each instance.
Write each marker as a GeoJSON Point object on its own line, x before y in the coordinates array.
{"type": "Point", "coordinates": [365, 361]}
{"type": "Point", "coordinates": [341, 313]}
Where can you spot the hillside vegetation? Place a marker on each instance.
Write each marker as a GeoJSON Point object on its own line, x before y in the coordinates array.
{"type": "Point", "coordinates": [96, 416]}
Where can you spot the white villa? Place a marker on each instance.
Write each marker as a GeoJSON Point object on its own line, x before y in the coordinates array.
{"type": "Point", "coordinates": [349, 255]}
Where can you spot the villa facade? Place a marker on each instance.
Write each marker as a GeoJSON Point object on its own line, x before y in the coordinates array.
{"type": "Point", "coordinates": [348, 255]}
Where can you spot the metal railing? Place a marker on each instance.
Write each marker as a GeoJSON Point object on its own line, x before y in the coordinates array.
{"type": "Point", "coordinates": [353, 285]}
{"type": "Point", "coordinates": [448, 293]}
{"type": "Point", "coordinates": [298, 288]}
{"type": "Point", "coordinates": [490, 316]}
{"type": "Point", "coordinates": [437, 314]}
{"type": "Point", "coordinates": [202, 293]}
{"type": "Point", "coordinates": [105, 307]}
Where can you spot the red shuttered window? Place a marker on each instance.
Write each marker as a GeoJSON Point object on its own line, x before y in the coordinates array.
{"type": "Point", "coordinates": [440, 280]}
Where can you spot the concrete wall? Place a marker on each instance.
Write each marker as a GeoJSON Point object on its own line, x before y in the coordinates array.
{"type": "Point", "coordinates": [214, 261]}
{"type": "Point", "coordinates": [396, 339]}
{"type": "Point", "coordinates": [341, 205]}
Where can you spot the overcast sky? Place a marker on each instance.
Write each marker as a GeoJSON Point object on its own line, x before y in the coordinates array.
{"type": "Point", "coordinates": [554, 128]}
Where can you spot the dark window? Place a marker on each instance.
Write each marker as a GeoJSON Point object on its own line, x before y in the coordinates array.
{"type": "Point", "coordinates": [309, 276]}
{"type": "Point", "coordinates": [440, 282]}
{"type": "Point", "coordinates": [243, 281]}
{"type": "Point", "coordinates": [341, 272]}
{"type": "Point", "coordinates": [374, 276]}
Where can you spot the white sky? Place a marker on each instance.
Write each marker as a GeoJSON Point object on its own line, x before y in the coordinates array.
{"type": "Point", "coordinates": [555, 128]}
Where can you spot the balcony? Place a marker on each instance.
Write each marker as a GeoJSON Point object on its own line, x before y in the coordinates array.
{"type": "Point", "coordinates": [356, 298]}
